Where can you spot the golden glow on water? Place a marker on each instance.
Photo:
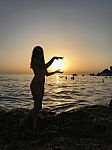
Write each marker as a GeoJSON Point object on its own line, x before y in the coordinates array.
{"type": "Point", "coordinates": [57, 79]}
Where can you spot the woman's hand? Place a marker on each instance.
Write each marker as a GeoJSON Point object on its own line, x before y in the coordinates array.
{"type": "Point", "coordinates": [51, 73]}
{"type": "Point", "coordinates": [55, 57]}
{"type": "Point", "coordinates": [58, 71]}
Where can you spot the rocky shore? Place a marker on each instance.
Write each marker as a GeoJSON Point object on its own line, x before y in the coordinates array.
{"type": "Point", "coordinates": [88, 128]}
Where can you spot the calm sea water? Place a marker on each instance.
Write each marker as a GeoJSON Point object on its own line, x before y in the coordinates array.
{"type": "Point", "coordinates": [60, 94]}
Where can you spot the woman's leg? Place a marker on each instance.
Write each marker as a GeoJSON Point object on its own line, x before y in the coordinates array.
{"type": "Point", "coordinates": [37, 107]}
{"type": "Point", "coordinates": [38, 97]}
{"type": "Point", "coordinates": [33, 113]}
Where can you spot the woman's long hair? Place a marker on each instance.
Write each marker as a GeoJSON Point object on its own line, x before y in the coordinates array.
{"type": "Point", "coordinates": [37, 53]}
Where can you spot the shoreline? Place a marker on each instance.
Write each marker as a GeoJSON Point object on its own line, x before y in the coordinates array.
{"type": "Point", "coordinates": [87, 128]}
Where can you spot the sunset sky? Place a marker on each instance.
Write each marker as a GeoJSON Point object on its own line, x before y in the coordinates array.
{"type": "Point", "coordinates": [78, 30]}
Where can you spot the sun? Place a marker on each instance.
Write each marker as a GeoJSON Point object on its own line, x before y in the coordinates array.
{"type": "Point", "coordinates": [58, 64]}
{"type": "Point", "coordinates": [61, 64]}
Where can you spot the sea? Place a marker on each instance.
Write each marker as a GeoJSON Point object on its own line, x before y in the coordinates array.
{"type": "Point", "coordinates": [61, 94]}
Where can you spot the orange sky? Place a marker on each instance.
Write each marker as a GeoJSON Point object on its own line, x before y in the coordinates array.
{"type": "Point", "coordinates": [79, 31]}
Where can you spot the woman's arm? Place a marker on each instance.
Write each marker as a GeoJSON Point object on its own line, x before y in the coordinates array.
{"type": "Point", "coordinates": [51, 73]}
{"type": "Point", "coordinates": [51, 61]}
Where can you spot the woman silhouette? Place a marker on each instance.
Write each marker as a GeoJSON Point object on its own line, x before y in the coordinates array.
{"type": "Point", "coordinates": [37, 84]}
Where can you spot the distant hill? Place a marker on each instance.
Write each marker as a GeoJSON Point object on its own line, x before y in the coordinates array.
{"type": "Point", "coordinates": [106, 72]}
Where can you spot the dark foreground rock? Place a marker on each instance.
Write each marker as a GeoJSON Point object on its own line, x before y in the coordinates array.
{"type": "Point", "coordinates": [89, 128]}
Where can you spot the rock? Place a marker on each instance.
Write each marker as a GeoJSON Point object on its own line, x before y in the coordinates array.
{"type": "Point", "coordinates": [110, 104]}
{"type": "Point", "coordinates": [90, 125]}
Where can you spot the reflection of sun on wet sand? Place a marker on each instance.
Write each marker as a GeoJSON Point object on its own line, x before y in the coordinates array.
{"type": "Point", "coordinates": [89, 127]}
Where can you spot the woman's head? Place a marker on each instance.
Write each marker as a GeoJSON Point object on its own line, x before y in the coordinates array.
{"type": "Point", "coordinates": [37, 53]}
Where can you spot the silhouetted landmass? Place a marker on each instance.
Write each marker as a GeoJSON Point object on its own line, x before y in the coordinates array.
{"type": "Point", "coordinates": [92, 74]}
{"type": "Point", "coordinates": [106, 72]}
{"type": "Point", "coordinates": [88, 128]}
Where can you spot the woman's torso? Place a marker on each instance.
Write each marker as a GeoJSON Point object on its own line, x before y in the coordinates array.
{"type": "Point", "coordinates": [39, 71]}
{"type": "Point", "coordinates": [39, 76]}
